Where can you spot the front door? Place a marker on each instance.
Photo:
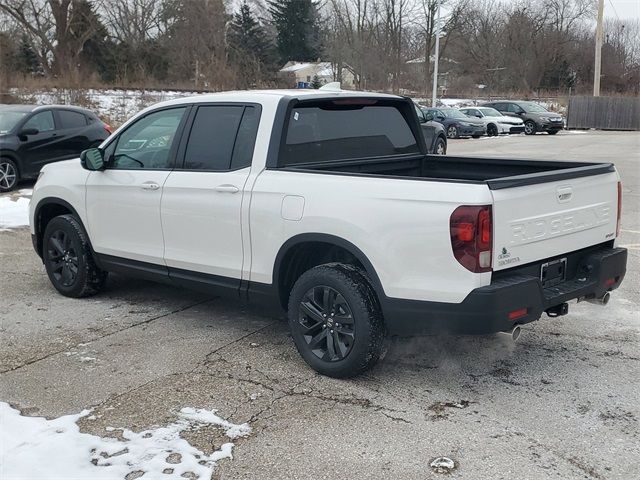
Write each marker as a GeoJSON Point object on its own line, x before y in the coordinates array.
{"type": "Point", "coordinates": [43, 147]}
{"type": "Point", "coordinates": [123, 201]}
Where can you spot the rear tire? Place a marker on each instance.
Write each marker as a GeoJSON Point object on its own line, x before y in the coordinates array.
{"type": "Point", "coordinates": [68, 259]}
{"type": "Point", "coordinates": [530, 127]}
{"type": "Point", "coordinates": [9, 174]}
{"type": "Point", "coordinates": [553, 132]}
{"type": "Point", "coordinates": [336, 321]}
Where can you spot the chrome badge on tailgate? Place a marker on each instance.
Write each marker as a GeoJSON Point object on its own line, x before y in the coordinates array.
{"type": "Point", "coordinates": [534, 229]}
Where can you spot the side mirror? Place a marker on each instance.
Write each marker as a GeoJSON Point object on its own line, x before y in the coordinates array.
{"type": "Point", "coordinates": [25, 132]}
{"type": "Point", "coordinates": [92, 159]}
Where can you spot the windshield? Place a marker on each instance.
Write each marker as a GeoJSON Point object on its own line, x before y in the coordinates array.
{"type": "Point", "coordinates": [490, 112]}
{"type": "Point", "coordinates": [9, 119]}
{"type": "Point", "coordinates": [453, 113]}
{"type": "Point", "coordinates": [531, 107]}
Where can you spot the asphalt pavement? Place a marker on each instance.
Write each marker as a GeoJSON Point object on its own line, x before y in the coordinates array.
{"type": "Point", "coordinates": [561, 403]}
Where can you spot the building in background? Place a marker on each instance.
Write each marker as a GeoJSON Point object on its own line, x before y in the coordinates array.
{"type": "Point", "coordinates": [306, 74]}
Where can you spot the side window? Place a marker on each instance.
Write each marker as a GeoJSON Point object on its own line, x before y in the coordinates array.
{"type": "Point", "coordinates": [146, 144]}
{"type": "Point", "coordinates": [421, 117]}
{"type": "Point", "coordinates": [246, 139]}
{"type": "Point", "coordinates": [42, 121]}
{"type": "Point", "coordinates": [212, 137]}
{"type": "Point", "coordinates": [513, 108]}
{"type": "Point", "coordinates": [69, 119]}
{"type": "Point", "coordinates": [501, 107]}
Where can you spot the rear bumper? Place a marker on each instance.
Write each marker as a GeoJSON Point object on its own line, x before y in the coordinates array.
{"type": "Point", "coordinates": [486, 309]}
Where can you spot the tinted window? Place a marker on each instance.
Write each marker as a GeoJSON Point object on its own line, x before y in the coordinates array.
{"type": "Point", "coordinates": [147, 142]}
{"type": "Point", "coordinates": [501, 107]}
{"type": "Point", "coordinates": [335, 132]}
{"type": "Point", "coordinates": [212, 137]}
{"type": "Point", "coordinates": [42, 121]}
{"type": "Point", "coordinates": [513, 108]}
{"type": "Point", "coordinates": [246, 139]}
{"type": "Point", "coordinates": [69, 119]}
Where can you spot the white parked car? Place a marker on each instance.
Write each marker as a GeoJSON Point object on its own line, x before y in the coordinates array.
{"type": "Point", "coordinates": [327, 206]}
{"type": "Point", "coordinates": [495, 122]}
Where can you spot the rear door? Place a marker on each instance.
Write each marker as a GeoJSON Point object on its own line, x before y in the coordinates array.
{"type": "Point", "coordinates": [545, 220]}
{"type": "Point", "coordinates": [202, 199]}
{"type": "Point", "coordinates": [72, 132]}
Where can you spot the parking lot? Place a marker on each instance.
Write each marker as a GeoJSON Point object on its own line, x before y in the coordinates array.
{"type": "Point", "coordinates": [560, 403]}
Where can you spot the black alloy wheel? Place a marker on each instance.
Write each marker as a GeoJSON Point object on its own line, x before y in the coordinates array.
{"type": "Point", "coordinates": [62, 258]}
{"type": "Point", "coordinates": [327, 324]}
{"type": "Point", "coordinates": [335, 320]}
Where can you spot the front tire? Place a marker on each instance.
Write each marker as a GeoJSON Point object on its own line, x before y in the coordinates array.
{"type": "Point", "coordinates": [530, 127]}
{"type": "Point", "coordinates": [441, 146]}
{"type": "Point", "coordinates": [9, 175]}
{"type": "Point", "coordinates": [68, 259]}
{"type": "Point", "coordinates": [336, 321]}
{"type": "Point", "coordinates": [492, 130]}
{"type": "Point", "coordinates": [452, 132]}
{"type": "Point", "coordinates": [553, 132]}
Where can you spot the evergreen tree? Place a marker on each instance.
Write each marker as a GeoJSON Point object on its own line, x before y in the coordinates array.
{"type": "Point", "coordinates": [315, 82]}
{"type": "Point", "coordinates": [27, 60]}
{"type": "Point", "coordinates": [298, 25]}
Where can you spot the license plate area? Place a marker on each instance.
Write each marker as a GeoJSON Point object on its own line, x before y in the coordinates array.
{"type": "Point", "coordinates": [554, 272]}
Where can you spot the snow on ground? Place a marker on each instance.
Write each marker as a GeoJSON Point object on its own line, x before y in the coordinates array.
{"type": "Point", "coordinates": [14, 209]}
{"type": "Point", "coordinates": [37, 448]}
{"type": "Point", "coordinates": [115, 106]}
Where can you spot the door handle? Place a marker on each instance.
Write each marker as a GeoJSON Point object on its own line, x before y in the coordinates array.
{"type": "Point", "coordinates": [150, 186]}
{"type": "Point", "coordinates": [227, 188]}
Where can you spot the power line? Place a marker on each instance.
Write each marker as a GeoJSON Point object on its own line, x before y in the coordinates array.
{"type": "Point", "coordinates": [614, 9]}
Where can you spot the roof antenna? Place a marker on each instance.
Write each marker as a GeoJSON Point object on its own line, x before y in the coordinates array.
{"type": "Point", "coordinates": [331, 87]}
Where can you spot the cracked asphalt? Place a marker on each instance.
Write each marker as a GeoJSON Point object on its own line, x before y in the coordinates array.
{"type": "Point", "coordinates": [561, 403]}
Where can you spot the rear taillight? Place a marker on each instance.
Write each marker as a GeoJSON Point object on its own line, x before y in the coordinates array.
{"type": "Point", "coordinates": [108, 128]}
{"type": "Point", "coordinates": [619, 209]}
{"type": "Point", "coordinates": [471, 230]}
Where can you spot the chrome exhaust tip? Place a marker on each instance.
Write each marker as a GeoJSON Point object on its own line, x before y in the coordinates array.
{"type": "Point", "coordinates": [603, 300]}
{"type": "Point", "coordinates": [513, 334]}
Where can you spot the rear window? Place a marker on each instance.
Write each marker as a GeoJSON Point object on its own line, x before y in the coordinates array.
{"type": "Point", "coordinates": [70, 119]}
{"type": "Point", "coordinates": [330, 131]}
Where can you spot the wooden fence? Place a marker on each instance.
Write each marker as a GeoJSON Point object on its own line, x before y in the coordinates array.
{"type": "Point", "coordinates": [604, 113]}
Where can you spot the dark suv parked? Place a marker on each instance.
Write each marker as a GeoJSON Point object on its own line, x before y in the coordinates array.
{"type": "Point", "coordinates": [32, 136]}
{"type": "Point", "coordinates": [536, 118]}
{"type": "Point", "coordinates": [434, 134]}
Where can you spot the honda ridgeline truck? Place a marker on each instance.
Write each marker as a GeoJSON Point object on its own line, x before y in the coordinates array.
{"type": "Point", "coordinates": [326, 205]}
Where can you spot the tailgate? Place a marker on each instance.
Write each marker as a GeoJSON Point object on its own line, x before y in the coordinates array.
{"type": "Point", "coordinates": [545, 220]}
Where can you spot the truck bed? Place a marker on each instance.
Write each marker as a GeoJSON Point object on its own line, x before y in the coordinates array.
{"type": "Point", "coordinates": [495, 172]}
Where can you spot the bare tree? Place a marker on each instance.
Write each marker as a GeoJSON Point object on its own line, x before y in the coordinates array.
{"type": "Point", "coordinates": [55, 30]}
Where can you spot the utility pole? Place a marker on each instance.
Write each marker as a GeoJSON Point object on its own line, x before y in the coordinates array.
{"type": "Point", "coordinates": [436, 58]}
{"type": "Point", "coordinates": [598, 62]}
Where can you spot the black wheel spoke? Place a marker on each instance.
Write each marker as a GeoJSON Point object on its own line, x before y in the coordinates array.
{"type": "Point", "coordinates": [311, 310]}
{"type": "Point", "coordinates": [317, 339]}
{"type": "Point", "coordinates": [326, 323]}
{"type": "Point", "coordinates": [57, 245]}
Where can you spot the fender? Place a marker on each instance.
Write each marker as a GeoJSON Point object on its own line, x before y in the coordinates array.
{"type": "Point", "coordinates": [37, 241]}
{"type": "Point", "coordinates": [334, 240]}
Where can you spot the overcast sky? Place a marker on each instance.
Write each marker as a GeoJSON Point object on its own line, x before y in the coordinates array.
{"type": "Point", "coordinates": [624, 8]}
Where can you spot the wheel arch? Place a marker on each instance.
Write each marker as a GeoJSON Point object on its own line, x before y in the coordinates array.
{"type": "Point", "coordinates": [47, 209]}
{"type": "Point", "coordinates": [306, 250]}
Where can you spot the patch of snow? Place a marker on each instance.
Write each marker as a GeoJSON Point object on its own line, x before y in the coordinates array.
{"type": "Point", "coordinates": [443, 465]}
{"type": "Point", "coordinates": [87, 359]}
{"type": "Point", "coordinates": [14, 209]}
{"type": "Point", "coordinates": [37, 448]}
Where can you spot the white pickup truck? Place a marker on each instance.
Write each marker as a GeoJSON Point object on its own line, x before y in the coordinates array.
{"type": "Point", "coordinates": [326, 205]}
